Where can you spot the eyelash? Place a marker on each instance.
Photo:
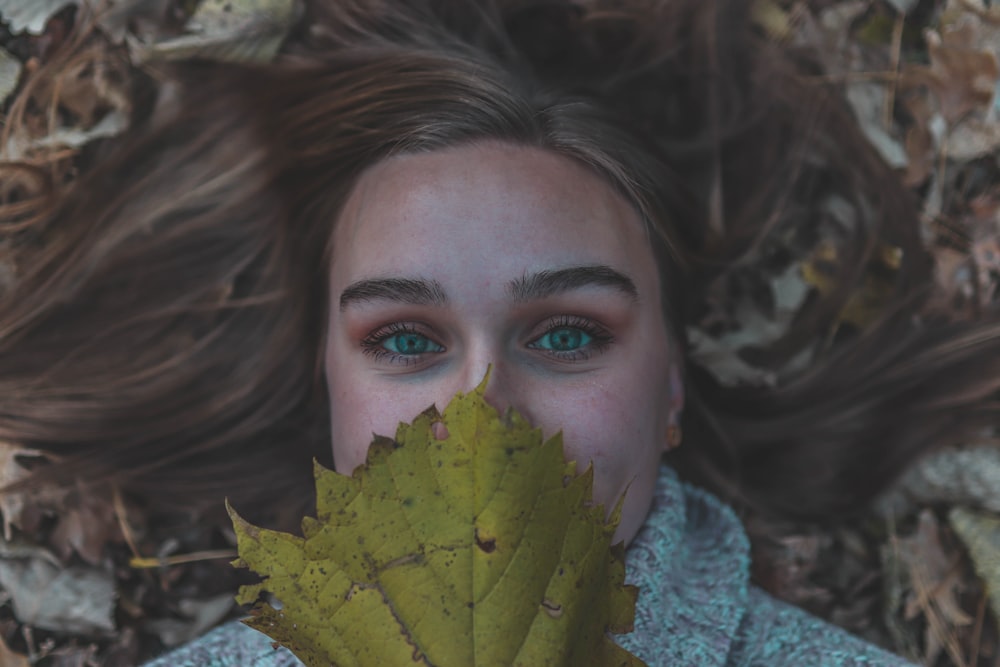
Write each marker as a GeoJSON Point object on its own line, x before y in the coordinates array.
{"type": "Point", "coordinates": [601, 338]}
{"type": "Point", "coordinates": [372, 343]}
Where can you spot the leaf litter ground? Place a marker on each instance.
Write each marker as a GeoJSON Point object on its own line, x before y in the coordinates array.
{"type": "Point", "coordinates": [913, 574]}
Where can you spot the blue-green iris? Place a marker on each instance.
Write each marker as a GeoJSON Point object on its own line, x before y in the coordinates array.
{"type": "Point", "coordinates": [563, 339]}
{"type": "Point", "coordinates": [410, 343]}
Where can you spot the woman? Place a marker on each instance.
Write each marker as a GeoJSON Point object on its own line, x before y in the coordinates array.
{"type": "Point", "coordinates": [319, 249]}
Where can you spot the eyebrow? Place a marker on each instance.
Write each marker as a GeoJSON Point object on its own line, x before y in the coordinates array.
{"type": "Point", "coordinates": [530, 287]}
{"type": "Point", "coordinates": [546, 283]}
{"type": "Point", "coordinates": [412, 291]}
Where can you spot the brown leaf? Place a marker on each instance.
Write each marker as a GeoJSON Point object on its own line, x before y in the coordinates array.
{"type": "Point", "coordinates": [10, 659]}
{"type": "Point", "coordinates": [87, 523]}
{"type": "Point", "coordinates": [12, 505]}
{"type": "Point", "coordinates": [921, 140]}
{"type": "Point", "coordinates": [85, 516]}
{"type": "Point", "coordinates": [935, 579]}
{"type": "Point", "coordinates": [30, 15]}
{"type": "Point", "coordinates": [962, 78]}
{"type": "Point", "coordinates": [45, 595]}
{"type": "Point", "coordinates": [86, 97]}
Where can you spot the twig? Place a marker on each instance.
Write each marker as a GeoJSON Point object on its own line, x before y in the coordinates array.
{"type": "Point", "coordinates": [977, 632]}
{"type": "Point", "coordinates": [122, 515]}
{"type": "Point", "coordinates": [851, 77]}
{"type": "Point", "coordinates": [168, 561]}
{"type": "Point", "coordinates": [926, 602]}
{"type": "Point", "coordinates": [890, 90]}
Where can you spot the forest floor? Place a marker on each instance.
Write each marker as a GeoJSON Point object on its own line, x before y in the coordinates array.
{"type": "Point", "coordinates": [915, 574]}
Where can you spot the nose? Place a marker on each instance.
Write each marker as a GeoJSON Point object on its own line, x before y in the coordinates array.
{"type": "Point", "coordinates": [504, 389]}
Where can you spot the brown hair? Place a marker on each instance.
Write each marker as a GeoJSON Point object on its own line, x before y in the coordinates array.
{"type": "Point", "coordinates": [167, 335]}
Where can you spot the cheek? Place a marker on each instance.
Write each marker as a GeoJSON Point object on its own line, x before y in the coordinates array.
{"type": "Point", "coordinates": [358, 411]}
{"type": "Point", "coordinates": [613, 426]}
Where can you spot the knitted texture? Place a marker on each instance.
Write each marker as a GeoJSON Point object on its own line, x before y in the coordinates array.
{"type": "Point", "coordinates": [696, 607]}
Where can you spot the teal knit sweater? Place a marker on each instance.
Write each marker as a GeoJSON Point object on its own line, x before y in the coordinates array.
{"type": "Point", "coordinates": [696, 607]}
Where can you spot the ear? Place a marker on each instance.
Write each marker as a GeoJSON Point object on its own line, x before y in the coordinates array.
{"type": "Point", "coordinates": [675, 406]}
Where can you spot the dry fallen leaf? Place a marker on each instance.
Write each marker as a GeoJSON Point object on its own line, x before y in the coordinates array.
{"type": "Point", "coordinates": [12, 505]}
{"type": "Point", "coordinates": [78, 600]}
{"type": "Point", "coordinates": [67, 107]}
{"type": "Point", "coordinates": [967, 476]}
{"type": "Point", "coordinates": [230, 30]}
{"type": "Point", "coordinates": [30, 15]}
{"type": "Point", "coordinates": [10, 659]}
{"type": "Point", "coordinates": [85, 520]}
{"type": "Point", "coordinates": [935, 580]}
{"type": "Point", "coordinates": [86, 524]}
{"type": "Point", "coordinates": [10, 74]}
{"type": "Point", "coordinates": [962, 81]}
{"type": "Point", "coordinates": [980, 532]}
{"type": "Point", "coordinates": [868, 102]}
{"type": "Point", "coordinates": [143, 17]}
{"type": "Point", "coordinates": [481, 547]}
{"type": "Point", "coordinates": [963, 78]}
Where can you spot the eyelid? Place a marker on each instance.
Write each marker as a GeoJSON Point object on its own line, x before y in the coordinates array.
{"type": "Point", "coordinates": [584, 323]}
{"type": "Point", "coordinates": [372, 343]}
{"type": "Point", "coordinates": [601, 337]}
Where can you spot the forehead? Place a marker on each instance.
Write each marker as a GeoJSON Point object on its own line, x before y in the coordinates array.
{"type": "Point", "coordinates": [485, 207]}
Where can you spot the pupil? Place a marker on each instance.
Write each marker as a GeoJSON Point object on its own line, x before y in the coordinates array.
{"type": "Point", "coordinates": [565, 339]}
{"type": "Point", "coordinates": [411, 344]}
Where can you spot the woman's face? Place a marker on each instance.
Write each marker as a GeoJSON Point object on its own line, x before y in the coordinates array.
{"type": "Point", "coordinates": [448, 262]}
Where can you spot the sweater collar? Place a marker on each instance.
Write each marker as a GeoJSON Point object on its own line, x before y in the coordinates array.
{"type": "Point", "coordinates": [691, 562]}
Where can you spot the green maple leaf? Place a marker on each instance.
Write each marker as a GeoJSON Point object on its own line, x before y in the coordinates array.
{"type": "Point", "coordinates": [482, 548]}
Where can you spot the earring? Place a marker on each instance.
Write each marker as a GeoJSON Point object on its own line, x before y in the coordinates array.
{"type": "Point", "coordinates": [674, 436]}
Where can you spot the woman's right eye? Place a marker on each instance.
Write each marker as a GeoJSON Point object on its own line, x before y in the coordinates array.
{"type": "Point", "coordinates": [399, 343]}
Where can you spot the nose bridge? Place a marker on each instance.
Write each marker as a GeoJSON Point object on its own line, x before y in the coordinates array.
{"type": "Point", "coordinates": [500, 387]}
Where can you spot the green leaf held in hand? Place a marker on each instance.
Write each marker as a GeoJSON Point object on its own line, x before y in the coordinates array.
{"type": "Point", "coordinates": [479, 548]}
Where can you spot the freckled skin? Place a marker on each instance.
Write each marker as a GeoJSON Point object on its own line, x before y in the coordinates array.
{"type": "Point", "coordinates": [474, 218]}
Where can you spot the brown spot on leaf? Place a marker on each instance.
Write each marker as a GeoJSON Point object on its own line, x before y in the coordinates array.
{"type": "Point", "coordinates": [552, 609]}
{"type": "Point", "coordinates": [489, 545]}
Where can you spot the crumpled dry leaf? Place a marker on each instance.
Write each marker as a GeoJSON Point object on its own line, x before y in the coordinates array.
{"type": "Point", "coordinates": [146, 18]}
{"type": "Point", "coordinates": [88, 98]}
{"type": "Point", "coordinates": [962, 79]}
{"type": "Point", "coordinates": [229, 30]}
{"type": "Point", "coordinates": [9, 658]}
{"type": "Point", "coordinates": [725, 363]}
{"type": "Point", "coordinates": [10, 73]}
{"type": "Point", "coordinates": [475, 546]}
{"type": "Point", "coordinates": [115, 17]}
{"type": "Point", "coordinates": [85, 519]}
{"type": "Point", "coordinates": [967, 476]}
{"type": "Point", "coordinates": [749, 309]}
{"type": "Point", "coordinates": [868, 102]}
{"type": "Point", "coordinates": [935, 581]}
{"type": "Point", "coordinates": [30, 15]}
{"type": "Point", "coordinates": [980, 532]}
{"type": "Point", "coordinates": [12, 505]}
{"type": "Point", "coordinates": [968, 280]}
{"type": "Point", "coordinates": [86, 524]}
{"type": "Point", "coordinates": [77, 600]}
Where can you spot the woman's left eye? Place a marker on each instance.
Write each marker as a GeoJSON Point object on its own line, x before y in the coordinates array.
{"type": "Point", "coordinates": [410, 343]}
{"type": "Point", "coordinates": [572, 339]}
{"type": "Point", "coordinates": [563, 339]}
{"type": "Point", "coordinates": [399, 343]}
